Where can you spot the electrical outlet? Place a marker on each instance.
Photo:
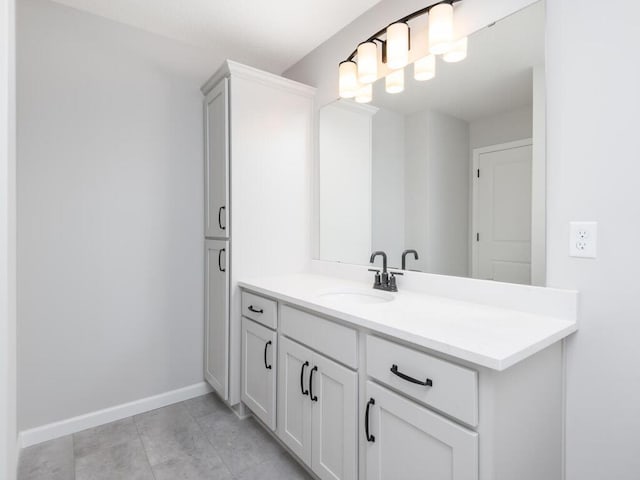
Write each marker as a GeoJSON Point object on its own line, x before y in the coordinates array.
{"type": "Point", "coordinates": [583, 237]}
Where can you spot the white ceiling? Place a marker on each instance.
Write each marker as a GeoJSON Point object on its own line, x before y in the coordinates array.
{"type": "Point", "coordinates": [494, 78]}
{"type": "Point", "coordinates": [272, 35]}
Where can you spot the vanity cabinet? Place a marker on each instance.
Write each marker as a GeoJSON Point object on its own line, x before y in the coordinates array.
{"type": "Point", "coordinates": [355, 403]}
{"type": "Point", "coordinates": [408, 442]}
{"type": "Point", "coordinates": [317, 411]}
{"type": "Point", "coordinates": [259, 347]}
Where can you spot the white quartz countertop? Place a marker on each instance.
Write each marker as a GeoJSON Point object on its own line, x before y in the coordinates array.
{"type": "Point", "coordinates": [492, 337]}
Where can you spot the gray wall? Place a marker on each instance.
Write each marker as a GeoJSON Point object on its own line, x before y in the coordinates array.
{"type": "Point", "coordinates": [8, 432]}
{"type": "Point", "coordinates": [593, 171]}
{"type": "Point", "coordinates": [594, 174]}
{"type": "Point", "coordinates": [344, 178]}
{"type": "Point", "coordinates": [110, 251]}
{"type": "Point", "coordinates": [502, 128]}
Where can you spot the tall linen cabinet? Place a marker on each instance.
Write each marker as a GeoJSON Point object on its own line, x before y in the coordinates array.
{"type": "Point", "coordinates": [258, 131]}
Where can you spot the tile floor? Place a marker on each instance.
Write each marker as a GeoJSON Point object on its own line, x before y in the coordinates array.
{"type": "Point", "coordinates": [194, 440]}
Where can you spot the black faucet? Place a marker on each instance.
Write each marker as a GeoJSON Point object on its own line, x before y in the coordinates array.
{"type": "Point", "coordinates": [383, 282]}
{"type": "Point", "coordinates": [384, 259]}
{"type": "Point", "coordinates": [404, 257]}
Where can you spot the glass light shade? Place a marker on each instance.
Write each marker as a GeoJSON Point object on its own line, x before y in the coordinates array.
{"type": "Point", "coordinates": [367, 62]}
{"type": "Point", "coordinates": [458, 51]}
{"type": "Point", "coordinates": [348, 82]}
{"type": "Point", "coordinates": [425, 68]}
{"type": "Point", "coordinates": [394, 82]}
{"type": "Point", "coordinates": [440, 28]}
{"type": "Point", "coordinates": [397, 45]}
{"type": "Point", "coordinates": [365, 93]}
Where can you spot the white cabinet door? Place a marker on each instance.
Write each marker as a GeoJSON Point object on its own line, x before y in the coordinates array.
{"type": "Point", "coordinates": [294, 404]}
{"type": "Point", "coordinates": [333, 393]}
{"type": "Point", "coordinates": [259, 371]}
{"type": "Point", "coordinates": [216, 308]}
{"type": "Point", "coordinates": [409, 442]}
{"type": "Point", "coordinates": [216, 119]}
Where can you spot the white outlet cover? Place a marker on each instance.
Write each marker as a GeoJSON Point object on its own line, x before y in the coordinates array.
{"type": "Point", "coordinates": [583, 239]}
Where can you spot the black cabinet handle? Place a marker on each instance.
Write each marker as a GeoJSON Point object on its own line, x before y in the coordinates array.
{"type": "Point", "coordinates": [220, 252]}
{"type": "Point", "coordinates": [370, 438]}
{"type": "Point", "coordinates": [255, 310]}
{"type": "Point", "coordinates": [426, 383]}
{"type": "Point", "coordinates": [313, 397]}
{"type": "Point", "coordinates": [266, 345]}
{"type": "Point", "coordinates": [304, 392]}
{"type": "Point", "coordinates": [222, 227]}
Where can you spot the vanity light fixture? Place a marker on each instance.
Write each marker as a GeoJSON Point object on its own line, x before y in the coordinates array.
{"type": "Point", "coordinates": [424, 68]}
{"type": "Point", "coordinates": [348, 79]}
{"type": "Point", "coordinates": [394, 82]}
{"type": "Point", "coordinates": [397, 45]}
{"type": "Point", "coordinates": [365, 93]}
{"type": "Point", "coordinates": [366, 64]}
{"type": "Point", "coordinates": [440, 28]}
{"type": "Point", "coordinates": [458, 51]}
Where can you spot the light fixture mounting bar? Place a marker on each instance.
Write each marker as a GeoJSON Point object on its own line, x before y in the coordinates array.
{"type": "Point", "coordinates": [405, 19]}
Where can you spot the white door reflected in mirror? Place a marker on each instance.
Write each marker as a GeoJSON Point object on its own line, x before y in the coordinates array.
{"type": "Point", "coordinates": [502, 213]}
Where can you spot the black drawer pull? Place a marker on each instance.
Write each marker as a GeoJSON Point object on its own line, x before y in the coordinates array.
{"type": "Point", "coordinates": [426, 383]}
{"type": "Point", "coordinates": [313, 397]}
{"type": "Point", "coordinates": [304, 392]}
{"type": "Point", "coordinates": [266, 345]}
{"type": "Point", "coordinates": [255, 310]}
{"type": "Point", "coordinates": [219, 219]}
{"type": "Point", "coordinates": [370, 438]}
{"type": "Point", "coordinates": [220, 252]}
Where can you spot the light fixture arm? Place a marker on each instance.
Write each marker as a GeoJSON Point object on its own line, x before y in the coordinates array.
{"type": "Point", "coordinates": [405, 19]}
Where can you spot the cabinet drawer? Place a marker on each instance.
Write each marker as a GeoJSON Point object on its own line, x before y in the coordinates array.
{"type": "Point", "coordinates": [329, 338]}
{"type": "Point", "coordinates": [260, 309]}
{"type": "Point", "coordinates": [452, 390]}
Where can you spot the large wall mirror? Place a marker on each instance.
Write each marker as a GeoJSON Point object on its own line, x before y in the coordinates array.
{"type": "Point", "coordinates": [453, 168]}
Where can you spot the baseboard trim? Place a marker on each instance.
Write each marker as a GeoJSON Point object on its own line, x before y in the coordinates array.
{"type": "Point", "coordinates": [59, 429]}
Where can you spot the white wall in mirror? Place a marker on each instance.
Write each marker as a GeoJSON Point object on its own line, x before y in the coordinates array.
{"type": "Point", "coordinates": [421, 170]}
{"type": "Point", "coordinates": [436, 193]}
{"type": "Point", "coordinates": [388, 206]}
{"type": "Point", "coordinates": [345, 182]}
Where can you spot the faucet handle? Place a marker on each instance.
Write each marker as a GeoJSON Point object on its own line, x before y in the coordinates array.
{"type": "Point", "coordinates": [377, 282]}
{"type": "Point", "coordinates": [393, 286]}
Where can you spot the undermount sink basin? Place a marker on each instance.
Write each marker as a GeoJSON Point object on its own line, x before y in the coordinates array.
{"type": "Point", "coordinates": [353, 296]}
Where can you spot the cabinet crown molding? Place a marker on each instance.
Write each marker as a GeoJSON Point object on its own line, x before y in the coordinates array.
{"type": "Point", "coordinates": [229, 68]}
